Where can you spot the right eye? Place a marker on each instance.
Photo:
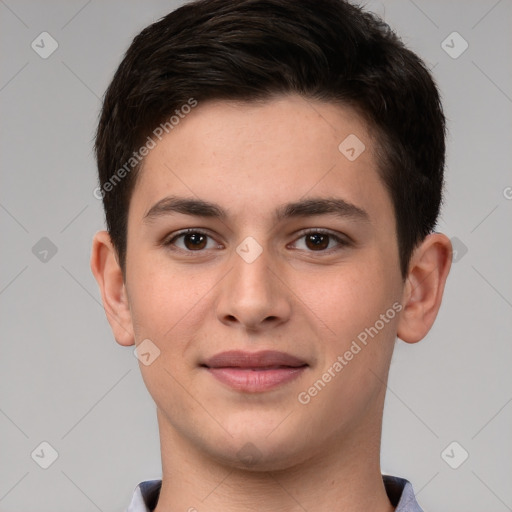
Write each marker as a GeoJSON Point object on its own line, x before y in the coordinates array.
{"type": "Point", "coordinates": [192, 240]}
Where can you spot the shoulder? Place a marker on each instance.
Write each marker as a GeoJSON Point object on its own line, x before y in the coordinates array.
{"type": "Point", "coordinates": [145, 496]}
{"type": "Point", "coordinates": [401, 494]}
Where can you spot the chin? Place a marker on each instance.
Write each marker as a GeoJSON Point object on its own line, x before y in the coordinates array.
{"type": "Point", "coordinates": [260, 450]}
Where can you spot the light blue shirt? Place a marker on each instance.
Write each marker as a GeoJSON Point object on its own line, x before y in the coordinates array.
{"type": "Point", "coordinates": [399, 490]}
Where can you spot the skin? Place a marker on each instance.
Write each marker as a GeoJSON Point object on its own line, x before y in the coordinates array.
{"type": "Point", "coordinates": [250, 158]}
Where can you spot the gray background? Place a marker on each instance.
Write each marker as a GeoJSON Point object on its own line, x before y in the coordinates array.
{"type": "Point", "coordinates": [65, 381]}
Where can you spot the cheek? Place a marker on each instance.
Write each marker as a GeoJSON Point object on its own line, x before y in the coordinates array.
{"type": "Point", "coordinates": [169, 305]}
{"type": "Point", "coordinates": [359, 309]}
{"type": "Point", "coordinates": [350, 298]}
{"type": "Point", "coordinates": [158, 299]}
{"type": "Point", "coordinates": [166, 307]}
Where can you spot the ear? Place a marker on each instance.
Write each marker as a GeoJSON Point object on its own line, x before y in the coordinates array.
{"type": "Point", "coordinates": [108, 274]}
{"type": "Point", "coordinates": [423, 290]}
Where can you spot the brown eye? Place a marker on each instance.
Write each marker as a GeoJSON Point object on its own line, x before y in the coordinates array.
{"type": "Point", "coordinates": [194, 241]}
{"type": "Point", "coordinates": [316, 241]}
{"type": "Point", "coordinates": [190, 241]}
{"type": "Point", "coordinates": [321, 241]}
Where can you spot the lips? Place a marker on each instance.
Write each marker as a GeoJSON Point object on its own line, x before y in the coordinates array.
{"type": "Point", "coordinates": [254, 372]}
{"type": "Point", "coordinates": [255, 360]}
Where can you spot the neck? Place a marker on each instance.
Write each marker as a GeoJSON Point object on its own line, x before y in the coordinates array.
{"type": "Point", "coordinates": [345, 476]}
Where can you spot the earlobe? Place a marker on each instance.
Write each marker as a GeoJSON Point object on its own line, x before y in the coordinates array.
{"type": "Point", "coordinates": [423, 291]}
{"type": "Point", "coordinates": [108, 274]}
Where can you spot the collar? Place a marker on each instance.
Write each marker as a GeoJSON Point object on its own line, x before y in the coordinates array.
{"type": "Point", "coordinates": [399, 491]}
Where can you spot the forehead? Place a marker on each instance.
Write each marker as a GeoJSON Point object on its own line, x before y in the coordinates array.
{"type": "Point", "coordinates": [252, 156]}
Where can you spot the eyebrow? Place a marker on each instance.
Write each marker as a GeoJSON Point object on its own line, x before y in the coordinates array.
{"type": "Point", "coordinates": [303, 208]}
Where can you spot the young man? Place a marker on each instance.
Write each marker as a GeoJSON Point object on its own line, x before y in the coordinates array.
{"type": "Point", "coordinates": [271, 172]}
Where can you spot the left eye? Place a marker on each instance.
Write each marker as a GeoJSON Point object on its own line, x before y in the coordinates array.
{"type": "Point", "coordinates": [320, 241]}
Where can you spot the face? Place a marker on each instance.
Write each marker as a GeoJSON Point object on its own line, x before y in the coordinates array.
{"type": "Point", "coordinates": [274, 306]}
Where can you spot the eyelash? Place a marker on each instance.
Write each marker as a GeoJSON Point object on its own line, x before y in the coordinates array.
{"type": "Point", "coordinates": [342, 242]}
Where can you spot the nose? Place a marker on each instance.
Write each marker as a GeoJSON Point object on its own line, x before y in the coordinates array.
{"type": "Point", "coordinates": [254, 296]}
